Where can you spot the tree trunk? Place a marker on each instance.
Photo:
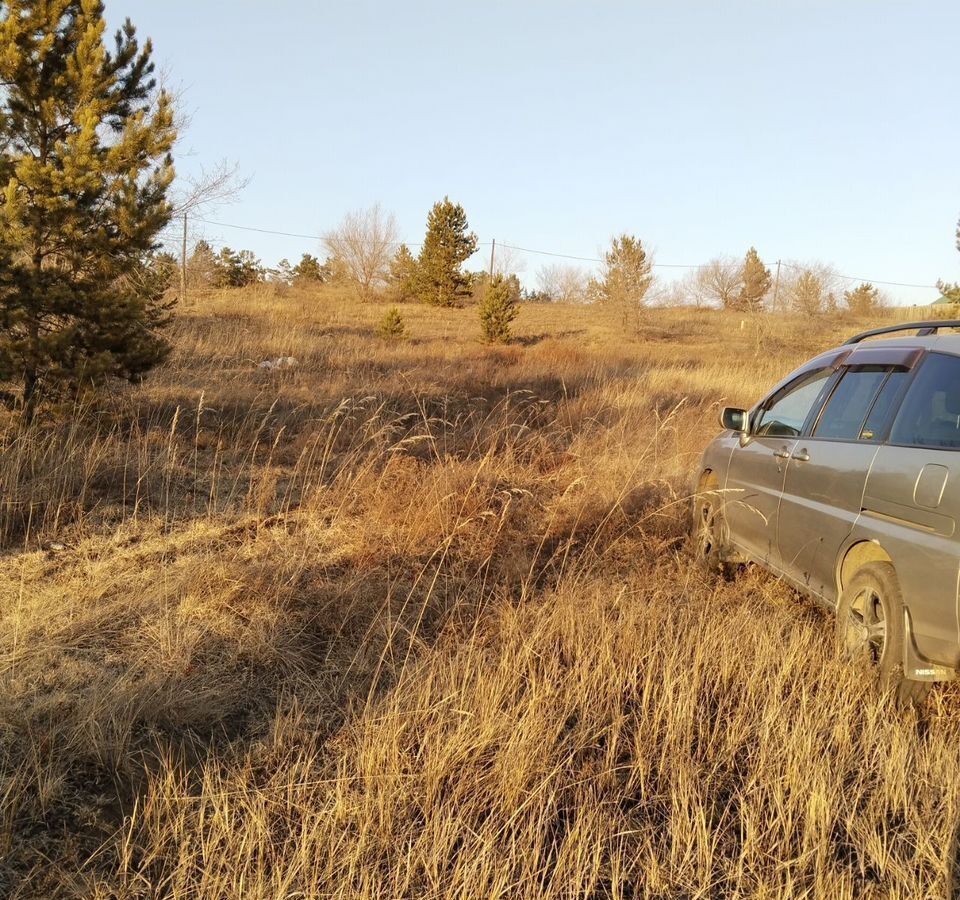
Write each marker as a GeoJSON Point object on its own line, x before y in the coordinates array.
{"type": "Point", "coordinates": [31, 377]}
{"type": "Point", "coordinates": [29, 395]}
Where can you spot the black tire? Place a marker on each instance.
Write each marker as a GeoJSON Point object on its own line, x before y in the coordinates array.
{"type": "Point", "coordinates": [708, 540]}
{"type": "Point", "coordinates": [870, 629]}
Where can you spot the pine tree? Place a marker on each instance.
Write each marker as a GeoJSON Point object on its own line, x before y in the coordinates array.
{"type": "Point", "coordinates": [283, 273]}
{"type": "Point", "coordinates": [403, 275]}
{"type": "Point", "coordinates": [392, 327]}
{"type": "Point", "coordinates": [309, 270]}
{"type": "Point", "coordinates": [627, 276]}
{"type": "Point", "coordinates": [85, 168]}
{"type": "Point", "coordinates": [227, 263]}
{"type": "Point", "coordinates": [165, 267]}
{"type": "Point", "coordinates": [499, 307]}
{"type": "Point", "coordinates": [446, 248]}
{"type": "Point", "coordinates": [251, 270]}
{"type": "Point", "coordinates": [756, 283]}
{"type": "Point", "coordinates": [202, 266]}
{"type": "Point", "coordinates": [863, 300]}
{"type": "Point", "coordinates": [950, 291]}
{"type": "Point", "coordinates": [238, 269]}
{"type": "Point", "coordinates": [808, 294]}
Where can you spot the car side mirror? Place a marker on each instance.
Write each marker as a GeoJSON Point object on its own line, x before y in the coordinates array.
{"type": "Point", "coordinates": [734, 419]}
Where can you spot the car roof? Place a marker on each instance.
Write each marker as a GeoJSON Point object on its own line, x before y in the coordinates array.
{"type": "Point", "coordinates": [943, 343]}
{"type": "Point", "coordinates": [950, 343]}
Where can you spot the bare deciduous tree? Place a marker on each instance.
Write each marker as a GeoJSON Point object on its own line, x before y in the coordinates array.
{"type": "Point", "coordinates": [364, 243]}
{"type": "Point", "coordinates": [507, 261]}
{"type": "Point", "coordinates": [671, 294]}
{"type": "Point", "coordinates": [691, 291]}
{"type": "Point", "coordinates": [563, 284]}
{"type": "Point", "coordinates": [194, 196]}
{"type": "Point", "coordinates": [719, 282]}
{"type": "Point", "coordinates": [208, 189]}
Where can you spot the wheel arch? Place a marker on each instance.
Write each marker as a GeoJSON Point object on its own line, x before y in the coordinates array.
{"type": "Point", "coordinates": [706, 477]}
{"type": "Point", "coordinates": [855, 557]}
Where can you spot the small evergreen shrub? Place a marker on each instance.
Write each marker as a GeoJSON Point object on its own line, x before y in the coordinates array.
{"type": "Point", "coordinates": [392, 327]}
{"type": "Point", "coordinates": [499, 307]}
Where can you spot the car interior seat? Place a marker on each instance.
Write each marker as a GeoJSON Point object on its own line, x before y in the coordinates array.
{"type": "Point", "coordinates": [943, 427]}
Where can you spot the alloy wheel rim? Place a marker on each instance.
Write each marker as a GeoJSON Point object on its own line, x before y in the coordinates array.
{"type": "Point", "coordinates": [866, 627]}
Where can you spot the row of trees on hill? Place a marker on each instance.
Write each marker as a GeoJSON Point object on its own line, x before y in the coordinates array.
{"type": "Point", "coordinates": [363, 253]}
{"type": "Point", "coordinates": [747, 286]}
{"type": "Point", "coordinates": [381, 268]}
{"type": "Point", "coordinates": [743, 285]}
{"type": "Point", "coordinates": [239, 268]}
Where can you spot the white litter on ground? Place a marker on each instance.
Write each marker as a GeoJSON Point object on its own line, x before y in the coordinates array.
{"type": "Point", "coordinates": [281, 362]}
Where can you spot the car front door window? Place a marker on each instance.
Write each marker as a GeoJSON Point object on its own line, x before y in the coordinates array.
{"type": "Point", "coordinates": [785, 415]}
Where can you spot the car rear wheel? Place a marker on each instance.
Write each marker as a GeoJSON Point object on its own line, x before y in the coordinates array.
{"type": "Point", "coordinates": [870, 628]}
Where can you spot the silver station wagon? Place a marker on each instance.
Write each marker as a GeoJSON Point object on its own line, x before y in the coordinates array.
{"type": "Point", "coordinates": [845, 481]}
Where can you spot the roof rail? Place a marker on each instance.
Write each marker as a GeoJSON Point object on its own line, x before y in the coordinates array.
{"type": "Point", "coordinates": [922, 328]}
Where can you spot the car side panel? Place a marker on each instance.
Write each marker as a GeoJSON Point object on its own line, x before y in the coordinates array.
{"type": "Point", "coordinates": [920, 538]}
{"type": "Point", "coordinates": [752, 496]}
{"type": "Point", "coordinates": [821, 501]}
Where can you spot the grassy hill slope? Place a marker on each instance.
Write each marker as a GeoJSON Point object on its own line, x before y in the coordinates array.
{"type": "Point", "coordinates": [415, 619]}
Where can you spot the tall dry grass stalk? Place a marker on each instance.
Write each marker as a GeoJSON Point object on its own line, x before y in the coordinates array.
{"type": "Point", "coordinates": [416, 620]}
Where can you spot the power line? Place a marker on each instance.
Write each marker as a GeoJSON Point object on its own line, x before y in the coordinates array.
{"type": "Point", "coordinates": [548, 253]}
{"type": "Point", "coordinates": [309, 237]}
{"type": "Point", "coordinates": [595, 259]}
{"type": "Point", "coordinates": [318, 237]}
{"type": "Point", "coordinates": [589, 259]}
{"type": "Point", "coordinates": [869, 280]}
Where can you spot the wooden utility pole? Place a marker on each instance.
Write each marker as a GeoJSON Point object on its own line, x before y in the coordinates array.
{"type": "Point", "coordinates": [776, 287]}
{"type": "Point", "coordinates": [493, 248]}
{"type": "Point", "coordinates": [183, 264]}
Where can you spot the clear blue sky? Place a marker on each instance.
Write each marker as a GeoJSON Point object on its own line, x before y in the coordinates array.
{"type": "Point", "coordinates": [814, 130]}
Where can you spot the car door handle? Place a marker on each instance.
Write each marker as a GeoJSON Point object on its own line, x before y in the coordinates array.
{"type": "Point", "coordinates": [782, 453]}
{"type": "Point", "coordinates": [801, 455]}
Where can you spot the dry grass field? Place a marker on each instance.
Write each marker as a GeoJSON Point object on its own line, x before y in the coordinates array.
{"type": "Point", "coordinates": [416, 620]}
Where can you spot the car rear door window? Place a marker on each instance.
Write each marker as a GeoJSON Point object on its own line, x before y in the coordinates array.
{"type": "Point", "coordinates": [884, 406]}
{"type": "Point", "coordinates": [843, 417]}
{"type": "Point", "coordinates": [930, 414]}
